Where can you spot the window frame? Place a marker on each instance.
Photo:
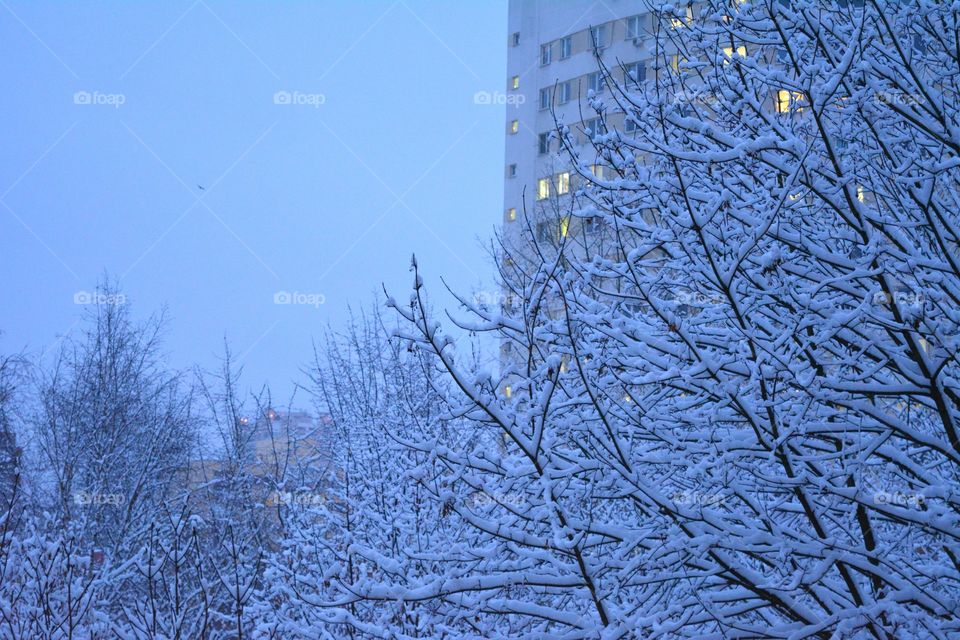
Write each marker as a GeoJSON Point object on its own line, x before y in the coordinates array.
{"type": "Point", "coordinates": [596, 82]}
{"type": "Point", "coordinates": [546, 54]}
{"type": "Point", "coordinates": [543, 143]}
{"type": "Point", "coordinates": [628, 71]}
{"type": "Point", "coordinates": [595, 39]}
{"type": "Point", "coordinates": [543, 188]}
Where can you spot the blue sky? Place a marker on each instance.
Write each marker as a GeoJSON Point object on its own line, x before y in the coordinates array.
{"type": "Point", "coordinates": [210, 155]}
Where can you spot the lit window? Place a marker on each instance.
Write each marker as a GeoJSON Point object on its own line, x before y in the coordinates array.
{"type": "Point", "coordinates": [564, 226]}
{"type": "Point", "coordinates": [544, 99]}
{"type": "Point", "coordinates": [507, 391]}
{"type": "Point", "coordinates": [636, 72]}
{"type": "Point", "coordinates": [543, 143]}
{"type": "Point", "coordinates": [788, 101]}
{"type": "Point", "coordinates": [599, 36]}
{"type": "Point", "coordinates": [515, 39]}
{"type": "Point", "coordinates": [675, 62]}
{"type": "Point", "coordinates": [512, 171]}
{"type": "Point", "coordinates": [595, 82]}
{"type": "Point", "coordinates": [565, 92]}
{"type": "Point", "coordinates": [729, 52]}
{"type": "Point", "coordinates": [515, 82]}
{"type": "Point", "coordinates": [633, 27]}
{"type": "Point", "coordinates": [563, 182]}
{"type": "Point", "coordinates": [861, 194]}
{"type": "Point", "coordinates": [543, 188]}
{"type": "Point", "coordinates": [679, 23]}
{"type": "Point", "coordinates": [597, 170]}
{"type": "Point", "coordinates": [512, 214]}
{"type": "Point", "coordinates": [546, 54]}
{"type": "Point", "coordinates": [783, 101]}
{"type": "Point", "coordinates": [514, 126]}
{"type": "Point", "coordinates": [566, 47]}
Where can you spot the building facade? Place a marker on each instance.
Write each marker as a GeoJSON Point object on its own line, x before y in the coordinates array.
{"type": "Point", "coordinates": [551, 68]}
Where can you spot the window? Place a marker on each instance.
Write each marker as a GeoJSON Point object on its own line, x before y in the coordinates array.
{"type": "Point", "coordinates": [507, 391]}
{"type": "Point", "coordinates": [788, 101]}
{"type": "Point", "coordinates": [511, 214]}
{"type": "Point", "coordinates": [597, 171]}
{"type": "Point", "coordinates": [566, 47]}
{"type": "Point", "coordinates": [595, 82]}
{"type": "Point", "coordinates": [629, 125]}
{"type": "Point", "coordinates": [598, 35]}
{"type": "Point", "coordinates": [729, 52]}
{"type": "Point", "coordinates": [636, 72]}
{"type": "Point", "coordinates": [593, 127]}
{"type": "Point", "coordinates": [515, 39]}
{"type": "Point", "coordinates": [675, 62]}
{"type": "Point", "coordinates": [515, 82]}
{"type": "Point", "coordinates": [514, 126]}
{"type": "Point", "coordinates": [564, 92]}
{"type": "Point", "coordinates": [543, 143]}
{"type": "Point", "coordinates": [543, 188]}
{"type": "Point", "coordinates": [563, 183]}
{"type": "Point", "coordinates": [544, 232]}
{"type": "Point", "coordinates": [546, 54]}
{"type": "Point", "coordinates": [861, 194]}
{"type": "Point", "coordinates": [511, 170]}
{"type": "Point", "coordinates": [544, 99]}
{"type": "Point", "coordinates": [633, 27]}
{"type": "Point", "coordinates": [564, 226]}
{"type": "Point", "coordinates": [679, 23]}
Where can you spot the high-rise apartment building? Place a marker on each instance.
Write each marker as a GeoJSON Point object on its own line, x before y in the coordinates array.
{"type": "Point", "coordinates": [551, 63]}
{"type": "Point", "coordinates": [552, 67]}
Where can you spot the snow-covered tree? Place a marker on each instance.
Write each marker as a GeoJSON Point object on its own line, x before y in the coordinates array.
{"type": "Point", "coordinates": [113, 425]}
{"type": "Point", "coordinates": [734, 405]}
{"type": "Point", "coordinates": [381, 516]}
